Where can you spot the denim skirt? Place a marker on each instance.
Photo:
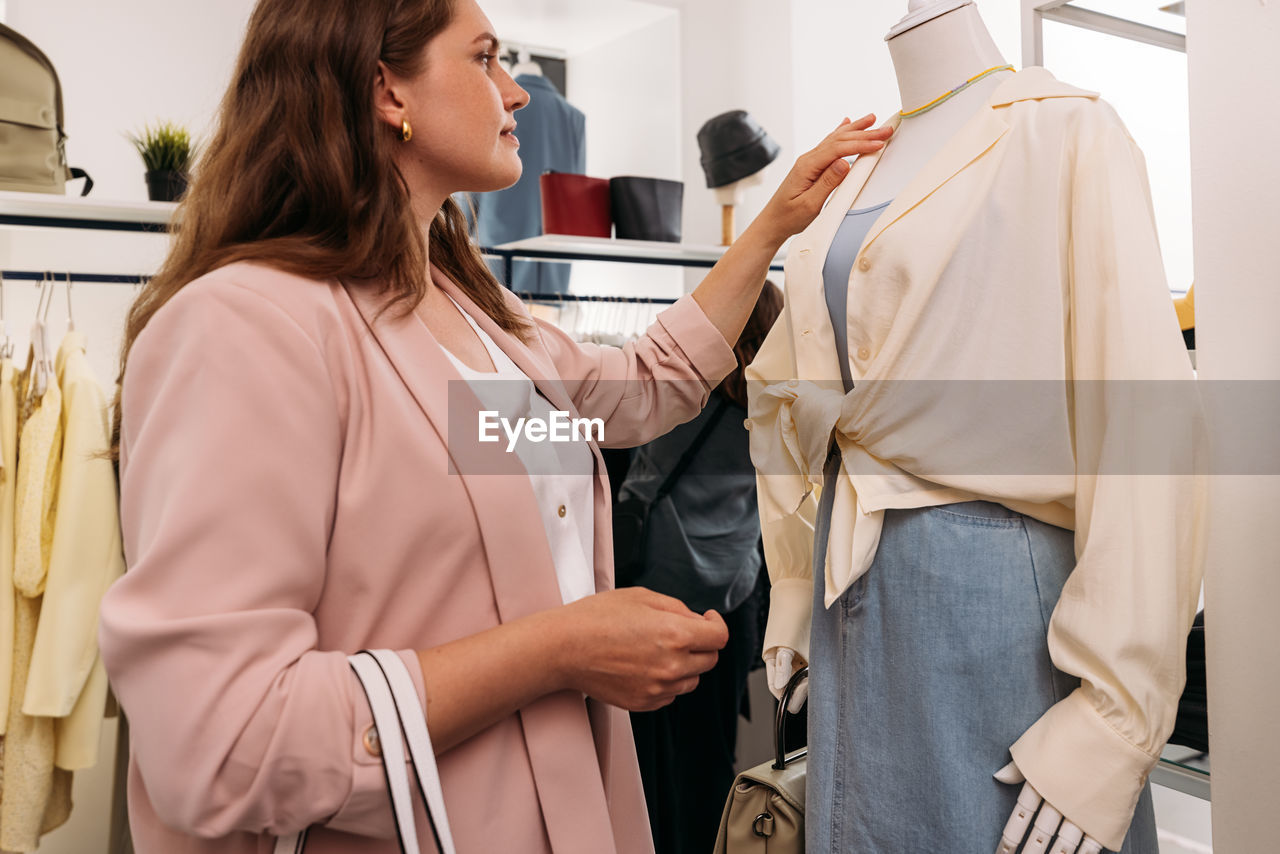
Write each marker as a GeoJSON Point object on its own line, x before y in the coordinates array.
{"type": "Point", "coordinates": [924, 673]}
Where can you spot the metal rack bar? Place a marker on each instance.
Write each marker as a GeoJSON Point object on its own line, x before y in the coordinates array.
{"type": "Point", "coordinates": [532, 297]}
{"type": "Point", "coordinates": [76, 278]}
{"type": "Point", "coordinates": [508, 255]}
{"type": "Point", "coordinates": [91, 224]}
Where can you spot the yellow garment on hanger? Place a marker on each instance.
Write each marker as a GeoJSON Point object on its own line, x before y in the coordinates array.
{"type": "Point", "coordinates": [1185, 306]}
{"type": "Point", "coordinates": [68, 681]}
{"type": "Point", "coordinates": [8, 482]}
{"type": "Point", "coordinates": [36, 796]}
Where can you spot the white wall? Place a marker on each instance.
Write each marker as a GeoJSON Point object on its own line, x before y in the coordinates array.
{"type": "Point", "coordinates": [629, 89]}
{"type": "Point", "coordinates": [1232, 60]}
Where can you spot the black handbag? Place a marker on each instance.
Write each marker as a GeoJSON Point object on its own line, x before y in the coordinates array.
{"type": "Point", "coordinates": [631, 515]}
{"type": "Point", "coordinates": [646, 208]}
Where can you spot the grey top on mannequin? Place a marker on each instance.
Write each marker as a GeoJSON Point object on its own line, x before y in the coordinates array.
{"type": "Point", "coordinates": [936, 47]}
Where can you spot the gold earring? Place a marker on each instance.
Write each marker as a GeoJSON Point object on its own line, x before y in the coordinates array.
{"type": "Point", "coordinates": [406, 132]}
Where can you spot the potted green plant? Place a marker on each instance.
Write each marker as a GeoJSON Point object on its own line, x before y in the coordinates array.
{"type": "Point", "coordinates": [167, 152]}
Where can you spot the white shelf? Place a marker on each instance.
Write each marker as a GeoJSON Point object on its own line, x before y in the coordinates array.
{"type": "Point", "coordinates": [55, 209]}
{"type": "Point", "coordinates": [607, 248]}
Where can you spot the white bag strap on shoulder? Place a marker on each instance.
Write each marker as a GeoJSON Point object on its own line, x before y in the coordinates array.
{"type": "Point", "coordinates": [394, 703]}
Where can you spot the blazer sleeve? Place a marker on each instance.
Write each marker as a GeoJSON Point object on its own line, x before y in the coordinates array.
{"type": "Point", "coordinates": [648, 386]}
{"type": "Point", "coordinates": [1122, 620]}
{"type": "Point", "coordinates": [232, 437]}
{"type": "Point", "coordinates": [787, 498]}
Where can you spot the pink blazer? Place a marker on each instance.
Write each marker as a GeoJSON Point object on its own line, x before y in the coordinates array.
{"type": "Point", "coordinates": [287, 498]}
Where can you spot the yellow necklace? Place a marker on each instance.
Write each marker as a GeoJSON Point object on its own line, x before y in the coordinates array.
{"type": "Point", "coordinates": [966, 84]}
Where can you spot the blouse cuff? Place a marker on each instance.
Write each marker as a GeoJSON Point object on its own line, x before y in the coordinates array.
{"type": "Point", "coordinates": [699, 339]}
{"type": "Point", "coordinates": [367, 809]}
{"type": "Point", "coordinates": [1084, 768]}
{"type": "Point", "coordinates": [790, 613]}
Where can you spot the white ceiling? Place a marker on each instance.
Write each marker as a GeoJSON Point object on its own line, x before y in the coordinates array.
{"type": "Point", "coordinates": [573, 26]}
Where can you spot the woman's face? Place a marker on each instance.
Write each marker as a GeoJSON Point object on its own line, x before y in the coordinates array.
{"type": "Point", "coordinates": [461, 109]}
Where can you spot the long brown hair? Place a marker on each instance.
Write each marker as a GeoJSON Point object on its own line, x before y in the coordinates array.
{"type": "Point", "coordinates": [763, 316]}
{"type": "Point", "coordinates": [300, 173]}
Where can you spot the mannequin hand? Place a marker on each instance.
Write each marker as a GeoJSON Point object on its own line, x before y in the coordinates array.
{"type": "Point", "coordinates": [779, 665]}
{"type": "Point", "coordinates": [635, 648]}
{"type": "Point", "coordinates": [816, 173]}
{"type": "Point", "coordinates": [1070, 839]}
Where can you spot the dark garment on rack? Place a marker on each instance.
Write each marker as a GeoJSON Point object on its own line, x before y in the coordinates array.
{"type": "Point", "coordinates": [701, 539]}
{"type": "Point", "coordinates": [552, 135]}
{"type": "Point", "coordinates": [702, 547]}
{"type": "Point", "coordinates": [687, 749]}
{"type": "Point", "coordinates": [1191, 728]}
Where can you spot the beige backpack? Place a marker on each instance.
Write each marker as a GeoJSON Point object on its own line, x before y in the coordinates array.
{"type": "Point", "coordinates": [33, 154]}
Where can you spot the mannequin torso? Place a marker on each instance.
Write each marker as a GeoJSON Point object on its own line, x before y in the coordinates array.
{"type": "Point", "coordinates": [934, 54]}
{"type": "Point", "coordinates": [930, 59]}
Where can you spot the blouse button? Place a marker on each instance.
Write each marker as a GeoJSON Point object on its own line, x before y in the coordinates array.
{"type": "Point", "coordinates": [793, 383]}
{"type": "Point", "coordinates": [864, 353]}
{"type": "Point", "coordinates": [372, 745]}
{"type": "Point", "coordinates": [747, 423]}
{"type": "Point", "coordinates": [865, 264]}
{"type": "Point", "coordinates": [562, 511]}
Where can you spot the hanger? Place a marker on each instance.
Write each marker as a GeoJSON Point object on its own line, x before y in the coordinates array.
{"type": "Point", "coordinates": [40, 337]}
{"type": "Point", "coordinates": [526, 65]}
{"type": "Point", "coordinates": [71, 321]}
{"type": "Point", "coordinates": [6, 347]}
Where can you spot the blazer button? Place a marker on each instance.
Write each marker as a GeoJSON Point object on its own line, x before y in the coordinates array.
{"type": "Point", "coordinates": [793, 383]}
{"type": "Point", "coordinates": [562, 511]}
{"type": "Point", "coordinates": [747, 423]}
{"type": "Point", "coordinates": [864, 353]}
{"type": "Point", "coordinates": [372, 745]}
{"type": "Point", "coordinates": [865, 264]}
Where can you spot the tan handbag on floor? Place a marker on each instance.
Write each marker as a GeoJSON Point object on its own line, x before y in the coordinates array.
{"type": "Point", "coordinates": [765, 809]}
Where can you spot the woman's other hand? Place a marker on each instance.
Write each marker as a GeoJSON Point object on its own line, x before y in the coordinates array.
{"type": "Point", "coordinates": [815, 174]}
{"type": "Point", "coordinates": [635, 648]}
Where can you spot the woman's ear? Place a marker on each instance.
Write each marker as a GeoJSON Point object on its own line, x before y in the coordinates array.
{"type": "Point", "coordinates": [386, 100]}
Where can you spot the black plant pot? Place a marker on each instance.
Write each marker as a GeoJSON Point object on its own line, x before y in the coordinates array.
{"type": "Point", "coordinates": [166, 185]}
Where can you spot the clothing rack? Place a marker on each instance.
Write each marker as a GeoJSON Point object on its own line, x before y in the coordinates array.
{"type": "Point", "coordinates": [128, 279]}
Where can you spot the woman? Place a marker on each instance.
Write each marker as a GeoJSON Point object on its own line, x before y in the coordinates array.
{"type": "Point", "coordinates": [287, 488]}
{"type": "Point", "coordinates": [702, 546]}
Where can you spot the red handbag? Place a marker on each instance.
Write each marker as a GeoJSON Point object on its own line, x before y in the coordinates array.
{"type": "Point", "coordinates": [575, 204]}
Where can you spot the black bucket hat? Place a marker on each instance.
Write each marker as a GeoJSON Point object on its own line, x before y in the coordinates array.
{"type": "Point", "coordinates": [734, 146]}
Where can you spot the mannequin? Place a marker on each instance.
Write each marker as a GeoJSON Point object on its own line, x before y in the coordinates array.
{"type": "Point", "coordinates": [935, 49]}
{"type": "Point", "coordinates": [729, 197]}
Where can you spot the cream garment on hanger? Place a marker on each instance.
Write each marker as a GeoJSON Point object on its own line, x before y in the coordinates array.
{"type": "Point", "coordinates": [8, 484]}
{"type": "Point", "coordinates": [1022, 256]}
{"type": "Point", "coordinates": [560, 472]}
{"type": "Point", "coordinates": [36, 795]}
{"type": "Point", "coordinates": [68, 681]}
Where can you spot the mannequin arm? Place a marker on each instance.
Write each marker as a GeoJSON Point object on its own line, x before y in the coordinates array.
{"type": "Point", "coordinates": [779, 665]}
{"type": "Point", "coordinates": [1047, 821]}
